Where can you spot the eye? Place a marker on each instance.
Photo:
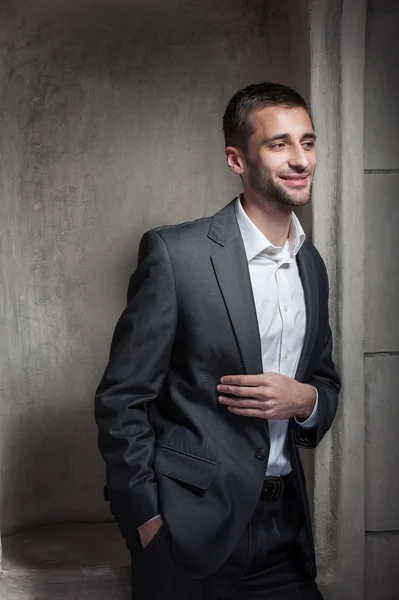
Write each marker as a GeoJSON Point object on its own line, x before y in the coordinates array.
{"type": "Point", "coordinates": [309, 145]}
{"type": "Point", "coordinates": [277, 146]}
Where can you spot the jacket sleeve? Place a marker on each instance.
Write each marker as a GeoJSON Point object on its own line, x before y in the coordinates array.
{"type": "Point", "coordinates": [139, 359]}
{"type": "Point", "coordinates": [327, 383]}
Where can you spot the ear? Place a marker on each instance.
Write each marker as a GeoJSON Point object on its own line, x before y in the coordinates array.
{"type": "Point", "coordinates": [234, 159]}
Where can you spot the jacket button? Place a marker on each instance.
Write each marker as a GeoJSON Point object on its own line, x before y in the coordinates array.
{"type": "Point", "coordinates": [260, 454]}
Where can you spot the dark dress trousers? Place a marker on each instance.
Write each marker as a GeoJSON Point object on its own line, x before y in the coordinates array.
{"type": "Point", "coordinates": [168, 445]}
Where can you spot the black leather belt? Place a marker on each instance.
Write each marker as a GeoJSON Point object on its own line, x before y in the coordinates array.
{"type": "Point", "coordinates": [275, 487]}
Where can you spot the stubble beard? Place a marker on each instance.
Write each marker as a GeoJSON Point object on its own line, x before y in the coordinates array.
{"type": "Point", "coordinates": [261, 182]}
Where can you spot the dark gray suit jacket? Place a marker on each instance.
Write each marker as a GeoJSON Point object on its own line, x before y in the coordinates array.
{"type": "Point", "coordinates": [169, 446]}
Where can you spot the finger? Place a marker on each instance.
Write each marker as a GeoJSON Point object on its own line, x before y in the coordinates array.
{"type": "Point", "coordinates": [242, 402]}
{"type": "Point", "coordinates": [248, 412]}
{"type": "Point", "coordinates": [240, 390]}
{"type": "Point", "coordinates": [248, 380]}
{"type": "Point", "coordinates": [270, 378]}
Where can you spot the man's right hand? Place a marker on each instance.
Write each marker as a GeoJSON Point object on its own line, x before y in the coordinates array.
{"type": "Point", "coordinates": [148, 530]}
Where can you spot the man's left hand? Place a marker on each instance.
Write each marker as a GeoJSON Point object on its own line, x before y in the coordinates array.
{"type": "Point", "coordinates": [267, 396]}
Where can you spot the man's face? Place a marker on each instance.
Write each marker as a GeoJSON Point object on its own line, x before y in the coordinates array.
{"type": "Point", "coordinates": [280, 160]}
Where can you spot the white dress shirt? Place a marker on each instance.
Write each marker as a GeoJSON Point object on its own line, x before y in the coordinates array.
{"type": "Point", "coordinates": [281, 313]}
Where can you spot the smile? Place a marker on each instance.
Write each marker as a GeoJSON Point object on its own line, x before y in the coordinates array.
{"type": "Point", "coordinates": [296, 180]}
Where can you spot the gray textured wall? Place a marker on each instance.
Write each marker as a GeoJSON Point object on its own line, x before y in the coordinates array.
{"type": "Point", "coordinates": [337, 34]}
{"type": "Point", "coordinates": [110, 116]}
{"type": "Point", "coordinates": [381, 300]}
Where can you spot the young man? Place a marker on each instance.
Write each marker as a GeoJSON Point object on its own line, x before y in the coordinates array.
{"type": "Point", "coordinates": [220, 370]}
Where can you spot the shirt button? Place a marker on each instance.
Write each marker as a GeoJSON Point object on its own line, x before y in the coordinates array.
{"type": "Point", "coordinates": [285, 308]}
{"type": "Point", "coordinates": [285, 356]}
{"type": "Point", "coordinates": [260, 454]}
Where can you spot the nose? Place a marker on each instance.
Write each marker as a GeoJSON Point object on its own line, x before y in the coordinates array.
{"type": "Point", "coordinates": [299, 158]}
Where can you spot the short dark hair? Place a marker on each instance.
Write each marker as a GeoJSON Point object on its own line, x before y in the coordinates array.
{"type": "Point", "coordinates": [237, 126]}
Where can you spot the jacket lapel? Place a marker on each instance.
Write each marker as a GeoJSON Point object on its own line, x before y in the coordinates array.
{"type": "Point", "coordinates": [310, 289]}
{"type": "Point", "coordinates": [231, 269]}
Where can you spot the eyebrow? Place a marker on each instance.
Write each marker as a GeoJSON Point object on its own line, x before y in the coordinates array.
{"type": "Point", "coordinates": [286, 136]}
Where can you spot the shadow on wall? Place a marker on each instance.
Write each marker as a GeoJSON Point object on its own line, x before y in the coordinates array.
{"type": "Point", "coordinates": [54, 469]}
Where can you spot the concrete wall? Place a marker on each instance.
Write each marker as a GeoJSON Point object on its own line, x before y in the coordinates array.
{"type": "Point", "coordinates": [381, 300]}
{"type": "Point", "coordinates": [110, 114]}
{"type": "Point", "coordinates": [337, 44]}
{"type": "Point", "coordinates": [354, 57]}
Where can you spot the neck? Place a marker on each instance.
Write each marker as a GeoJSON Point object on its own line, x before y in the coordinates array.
{"type": "Point", "coordinates": [272, 220]}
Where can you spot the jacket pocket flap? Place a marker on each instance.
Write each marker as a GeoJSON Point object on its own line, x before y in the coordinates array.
{"type": "Point", "coordinates": [189, 468]}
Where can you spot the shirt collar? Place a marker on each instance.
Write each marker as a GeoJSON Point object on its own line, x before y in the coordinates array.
{"type": "Point", "coordinates": [255, 242]}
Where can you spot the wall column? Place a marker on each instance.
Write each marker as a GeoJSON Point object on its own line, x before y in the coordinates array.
{"type": "Point", "coordinates": [337, 41]}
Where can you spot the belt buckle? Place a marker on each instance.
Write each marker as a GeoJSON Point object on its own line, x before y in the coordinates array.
{"type": "Point", "coordinates": [273, 486]}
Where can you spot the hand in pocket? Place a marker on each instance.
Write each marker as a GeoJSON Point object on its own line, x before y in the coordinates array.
{"type": "Point", "coordinates": [149, 531]}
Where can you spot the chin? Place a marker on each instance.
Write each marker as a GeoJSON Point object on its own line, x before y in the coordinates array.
{"type": "Point", "coordinates": [294, 199]}
{"type": "Point", "coordinates": [300, 201]}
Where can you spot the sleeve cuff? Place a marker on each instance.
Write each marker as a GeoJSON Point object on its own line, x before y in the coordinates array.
{"type": "Point", "coordinates": [312, 420]}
